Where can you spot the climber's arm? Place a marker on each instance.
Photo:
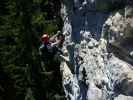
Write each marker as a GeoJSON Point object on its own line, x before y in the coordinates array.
{"type": "Point", "coordinates": [55, 43]}
{"type": "Point", "coordinates": [52, 39]}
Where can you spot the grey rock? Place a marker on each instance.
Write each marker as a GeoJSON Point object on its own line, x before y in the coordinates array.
{"type": "Point", "coordinates": [96, 72]}
{"type": "Point", "coordinates": [122, 97]}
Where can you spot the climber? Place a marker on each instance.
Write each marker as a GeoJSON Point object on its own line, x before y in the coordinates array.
{"type": "Point", "coordinates": [51, 46]}
{"type": "Point", "coordinates": [57, 39]}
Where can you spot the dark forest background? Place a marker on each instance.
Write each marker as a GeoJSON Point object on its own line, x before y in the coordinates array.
{"type": "Point", "coordinates": [22, 76]}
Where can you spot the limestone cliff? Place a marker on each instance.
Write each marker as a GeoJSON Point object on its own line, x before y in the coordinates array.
{"type": "Point", "coordinates": [99, 48]}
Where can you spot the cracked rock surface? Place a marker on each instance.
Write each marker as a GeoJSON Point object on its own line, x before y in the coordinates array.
{"type": "Point", "coordinates": [97, 71]}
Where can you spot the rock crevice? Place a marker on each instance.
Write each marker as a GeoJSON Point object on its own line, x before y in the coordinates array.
{"type": "Point", "coordinates": [96, 73]}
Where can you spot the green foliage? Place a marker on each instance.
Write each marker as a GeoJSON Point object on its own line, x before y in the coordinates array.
{"type": "Point", "coordinates": [29, 95]}
{"type": "Point", "coordinates": [22, 24]}
{"type": "Point", "coordinates": [51, 27]}
{"type": "Point", "coordinates": [38, 19]}
{"type": "Point", "coordinates": [38, 1]}
{"type": "Point", "coordinates": [110, 6]}
{"type": "Point", "coordinates": [102, 6]}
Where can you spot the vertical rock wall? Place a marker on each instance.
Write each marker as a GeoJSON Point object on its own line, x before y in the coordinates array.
{"type": "Point", "coordinates": [94, 73]}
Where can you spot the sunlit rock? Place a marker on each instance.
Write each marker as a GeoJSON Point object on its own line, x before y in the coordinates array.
{"type": "Point", "coordinates": [123, 97]}
{"type": "Point", "coordinates": [97, 73]}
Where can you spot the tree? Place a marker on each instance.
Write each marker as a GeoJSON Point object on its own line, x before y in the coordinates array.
{"type": "Point", "coordinates": [23, 22]}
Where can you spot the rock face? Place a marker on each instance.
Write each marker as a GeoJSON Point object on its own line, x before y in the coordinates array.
{"type": "Point", "coordinates": [96, 72]}
{"type": "Point", "coordinates": [119, 30]}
